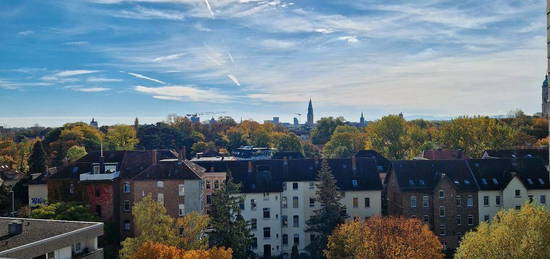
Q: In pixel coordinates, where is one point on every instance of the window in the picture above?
(285, 239)
(254, 223)
(518, 193)
(470, 220)
(497, 200)
(413, 201)
(426, 219)
(426, 201)
(543, 199)
(98, 210)
(241, 204)
(296, 239)
(495, 181)
(160, 197)
(208, 199)
(126, 188)
(216, 184)
(127, 206)
(459, 201)
(458, 220)
(96, 169)
(181, 189)
(541, 181)
(311, 202)
(530, 181)
(311, 185)
(354, 183)
(441, 194)
(442, 211)
(160, 184)
(77, 247)
(252, 204)
(284, 186)
(284, 220)
(97, 192)
(295, 221)
(355, 202)
(470, 201)
(181, 231)
(530, 198)
(518, 207)
(295, 202)
(267, 213)
(266, 196)
(485, 200)
(294, 186)
(71, 188)
(267, 232)
(181, 209)
(442, 230)
(367, 202)
(208, 184)
(254, 243)
(284, 202)
(126, 225)
(486, 217)
(484, 181)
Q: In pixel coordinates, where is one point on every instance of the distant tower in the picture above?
(136, 124)
(93, 123)
(545, 97)
(362, 120)
(310, 114)
(296, 122)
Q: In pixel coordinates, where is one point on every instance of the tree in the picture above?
(285, 142)
(76, 152)
(345, 142)
(387, 237)
(512, 233)
(63, 211)
(229, 228)
(37, 160)
(330, 214)
(202, 146)
(324, 128)
(295, 254)
(310, 150)
(155, 250)
(192, 229)
(385, 136)
(121, 137)
(152, 224)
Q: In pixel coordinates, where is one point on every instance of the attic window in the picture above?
(421, 182)
(344, 166)
(530, 181)
(466, 181)
(541, 181)
(495, 181)
(75, 170)
(263, 168)
(411, 182)
(484, 181)
(457, 182)
(354, 183)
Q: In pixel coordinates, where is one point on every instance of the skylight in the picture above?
(484, 181)
(421, 182)
(411, 182)
(466, 181)
(541, 181)
(354, 183)
(529, 181)
(495, 181)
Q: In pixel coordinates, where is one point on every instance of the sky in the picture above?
(64, 61)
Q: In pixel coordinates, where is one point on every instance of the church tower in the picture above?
(362, 120)
(310, 114)
(545, 97)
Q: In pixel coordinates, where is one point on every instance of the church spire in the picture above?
(310, 113)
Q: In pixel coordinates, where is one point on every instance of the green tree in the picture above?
(63, 211)
(310, 150)
(122, 137)
(229, 228)
(202, 146)
(76, 152)
(324, 128)
(37, 160)
(330, 214)
(345, 142)
(511, 234)
(152, 224)
(287, 142)
(385, 136)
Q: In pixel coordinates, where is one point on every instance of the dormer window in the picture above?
(466, 181)
(411, 182)
(421, 182)
(110, 168)
(95, 169)
(441, 194)
(495, 181)
(484, 181)
(529, 181)
(354, 183)
(541, 181)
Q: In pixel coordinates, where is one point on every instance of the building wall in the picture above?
(64, 190)
(38, 194)
(491, 209)
(209, 180)
(509, 197)
(170, 191)
(193, 196)
(265, 200)
(99, 196)
(304, 192)
(361, 211)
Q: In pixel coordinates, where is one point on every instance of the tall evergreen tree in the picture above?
(230, 229)
(37, 159)
(330, 214)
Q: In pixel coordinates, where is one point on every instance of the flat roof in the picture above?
(38, 230)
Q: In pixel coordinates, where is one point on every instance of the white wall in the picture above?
(38, 194)
(271, 201)
(492, 209)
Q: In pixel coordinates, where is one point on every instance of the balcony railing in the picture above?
(99, 177)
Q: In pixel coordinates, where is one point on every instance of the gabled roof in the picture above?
(168, 170)
(541, 153)
(382, 164)
(495, 174)
(288, 155)
(424, 175)
(443, 154)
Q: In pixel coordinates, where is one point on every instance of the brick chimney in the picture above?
(250, 166)
(154, 157)
(353, 163)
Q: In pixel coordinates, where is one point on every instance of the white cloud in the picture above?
(234, 79)
(349, 39)
(76, 43)
(74, 72)
(278, 44)
(171, 98)
(92, 89)
(146, 78)
(25, 33)
(183, 92)
(102, 79)
(169, 57)
(143, 13)
(60, 80)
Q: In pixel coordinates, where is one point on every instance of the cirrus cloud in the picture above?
(181, 93)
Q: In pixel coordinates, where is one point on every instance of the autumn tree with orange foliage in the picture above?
(387, 237)
(159, 251)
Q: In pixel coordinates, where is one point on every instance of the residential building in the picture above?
(541, 153)
(40, 238)
(509, 183)
(441, 193)
(38, 190)
(443, 154)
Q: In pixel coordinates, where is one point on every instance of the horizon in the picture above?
(115, 60)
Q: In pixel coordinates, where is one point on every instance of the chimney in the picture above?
(15, 227)
(101, 162)
(155, 159)
(180, 157)
(250, 166)
(285, 161)
(184, 153)
(353, 163)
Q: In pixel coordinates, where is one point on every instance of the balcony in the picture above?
(99, 177)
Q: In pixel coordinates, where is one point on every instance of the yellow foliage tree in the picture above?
(191, 231)
(160, 251)
(512, 234)
(387, 237)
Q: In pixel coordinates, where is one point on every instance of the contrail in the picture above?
(209, 8)
(146, 78)
(234, 79)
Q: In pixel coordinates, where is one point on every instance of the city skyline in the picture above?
(116, 60)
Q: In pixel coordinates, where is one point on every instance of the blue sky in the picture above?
(64, 61)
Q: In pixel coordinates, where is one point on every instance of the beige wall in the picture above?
(492, 208)
(38, 194)
(510, 200)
